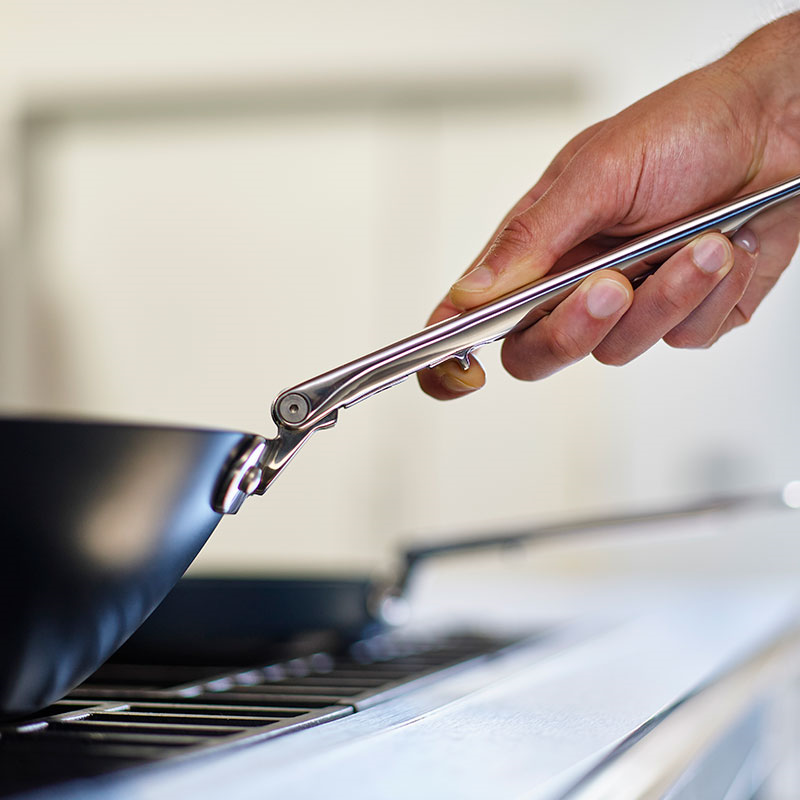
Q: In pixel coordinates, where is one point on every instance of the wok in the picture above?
(102, 519)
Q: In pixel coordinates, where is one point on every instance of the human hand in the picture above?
(726, 130)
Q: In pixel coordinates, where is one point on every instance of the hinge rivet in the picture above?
(293, 408)
(250, 480)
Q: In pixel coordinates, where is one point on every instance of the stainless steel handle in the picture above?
(314, 405)
(305, 406)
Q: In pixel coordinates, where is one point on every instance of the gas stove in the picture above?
(127, 716)
(678, 687)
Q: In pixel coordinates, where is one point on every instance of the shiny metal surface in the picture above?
(314, 404)
(283, 448)
(293, 407)
(242, 477)
(458, 336)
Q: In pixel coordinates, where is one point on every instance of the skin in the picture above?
(723, 131)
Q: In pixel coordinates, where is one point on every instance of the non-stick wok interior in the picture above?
(99, 522)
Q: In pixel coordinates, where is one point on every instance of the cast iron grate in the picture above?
(130, 714)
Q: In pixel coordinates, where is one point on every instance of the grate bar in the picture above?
(91, 723)
(66, 739)
(330, 680)
(126, 715)
(272, 698)
(264, 712)
(170, 718)
(299, 690)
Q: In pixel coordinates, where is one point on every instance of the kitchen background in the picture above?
(204, 202)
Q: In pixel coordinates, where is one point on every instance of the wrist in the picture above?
(767, 64)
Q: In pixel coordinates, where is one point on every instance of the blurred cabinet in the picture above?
(185, 262)
(203, 205)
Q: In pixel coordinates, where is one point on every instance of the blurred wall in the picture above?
(202, 203)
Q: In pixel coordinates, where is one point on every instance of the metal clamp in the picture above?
(242, 476)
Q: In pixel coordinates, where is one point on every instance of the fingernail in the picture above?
(605, 298)
(746, 239)
(453, 384)
(710, 254)
(476, 280)
(451, 376)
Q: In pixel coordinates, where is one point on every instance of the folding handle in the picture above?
(307, 405)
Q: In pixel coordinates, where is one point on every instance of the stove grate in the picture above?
(131, 714)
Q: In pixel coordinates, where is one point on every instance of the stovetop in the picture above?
(128, 715)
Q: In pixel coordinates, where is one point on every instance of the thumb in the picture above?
(575, 207)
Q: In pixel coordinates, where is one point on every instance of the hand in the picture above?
(726, 130)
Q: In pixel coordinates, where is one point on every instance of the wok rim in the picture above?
(68, 420)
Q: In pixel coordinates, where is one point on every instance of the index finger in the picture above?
(446, 308)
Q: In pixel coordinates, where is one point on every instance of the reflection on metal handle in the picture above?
(303, 407)
(314, 405)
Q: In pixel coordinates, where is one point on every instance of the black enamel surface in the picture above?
(99, 522)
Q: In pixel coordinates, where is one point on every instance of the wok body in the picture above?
(99, 523)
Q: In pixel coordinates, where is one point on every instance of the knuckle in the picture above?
(517, 235)
(516, 366)
(685, 339)
(678, 340)
(669, 301)
(741, 315)
(610, 356)
(739, 278)
(564, 346)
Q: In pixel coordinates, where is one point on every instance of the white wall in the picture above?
(334, 166)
